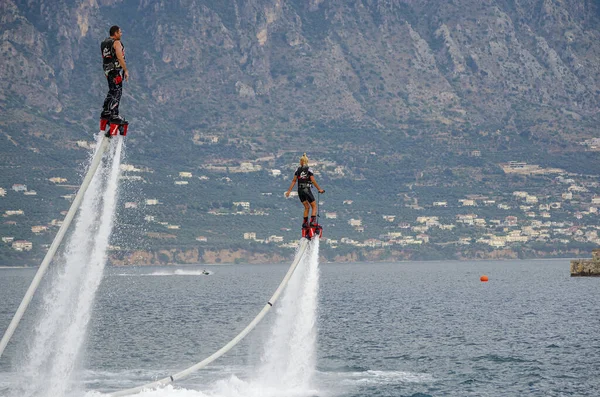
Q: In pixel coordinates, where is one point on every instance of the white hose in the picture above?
(232, 343)
(55, 244)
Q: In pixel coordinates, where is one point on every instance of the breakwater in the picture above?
(587, 267)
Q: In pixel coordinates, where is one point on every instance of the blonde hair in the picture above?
(304, 159)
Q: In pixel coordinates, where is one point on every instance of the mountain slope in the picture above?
(266, 65)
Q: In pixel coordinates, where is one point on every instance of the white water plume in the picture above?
(289, 358)
(59, 334)
(56, 298)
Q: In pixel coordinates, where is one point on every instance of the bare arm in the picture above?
(314, 182)
(120, 57)
(287, 194)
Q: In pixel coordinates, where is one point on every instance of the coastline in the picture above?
(227, 258)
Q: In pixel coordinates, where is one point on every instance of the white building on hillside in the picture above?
(22, 245)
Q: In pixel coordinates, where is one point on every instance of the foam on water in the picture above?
(162, 273)
(387, 377)
(180, 272)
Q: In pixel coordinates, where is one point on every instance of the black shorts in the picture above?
(306, 195)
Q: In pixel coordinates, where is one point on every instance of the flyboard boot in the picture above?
(118, 124)
(306, 230)
(104, 119)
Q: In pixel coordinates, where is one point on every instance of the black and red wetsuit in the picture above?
(303, 175)
(114, 76)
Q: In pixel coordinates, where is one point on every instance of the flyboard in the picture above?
(113, 130)
(304, 243)
(312, 230)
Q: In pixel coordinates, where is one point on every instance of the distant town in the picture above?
(564, 215)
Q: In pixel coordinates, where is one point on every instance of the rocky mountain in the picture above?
(278, 66)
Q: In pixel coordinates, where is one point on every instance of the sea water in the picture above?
(382, 329)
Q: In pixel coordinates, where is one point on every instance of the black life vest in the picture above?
(303, 174)
(110, 62)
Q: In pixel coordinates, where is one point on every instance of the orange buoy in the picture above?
(484, 278)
